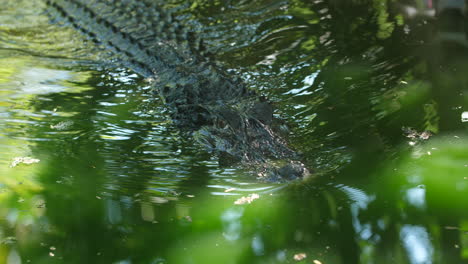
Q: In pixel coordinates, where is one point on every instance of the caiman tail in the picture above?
(225, 116)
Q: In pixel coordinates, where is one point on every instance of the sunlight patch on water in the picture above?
(357, 196)
(417, 197)
(232, 226)
(24, 80)
(122, 75)
(258, 246)
(41, 81)
(305, 90)
(417, 243)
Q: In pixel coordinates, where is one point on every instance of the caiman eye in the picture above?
(220, 123)
(166, 89)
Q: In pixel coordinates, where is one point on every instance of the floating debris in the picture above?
(159, 200)
(62, 125)
(247, 199)
(175, 193)
(464, 117)
(316, 261)
(300, 256)
(9, 240)
(230, 190)
(425, 135)
(25, 160)
(413, 134)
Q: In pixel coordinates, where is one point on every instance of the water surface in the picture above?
(372, 102)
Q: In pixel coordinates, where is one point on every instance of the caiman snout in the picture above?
(293, 170)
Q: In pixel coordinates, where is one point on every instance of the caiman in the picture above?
(219, 110)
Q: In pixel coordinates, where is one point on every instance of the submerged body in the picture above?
(224, 116)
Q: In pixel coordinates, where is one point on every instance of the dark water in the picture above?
(113, 181)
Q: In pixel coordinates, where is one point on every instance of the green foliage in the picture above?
(386, 26)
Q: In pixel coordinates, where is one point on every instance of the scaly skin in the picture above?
(225, 116)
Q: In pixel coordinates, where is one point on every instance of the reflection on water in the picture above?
(117, 182)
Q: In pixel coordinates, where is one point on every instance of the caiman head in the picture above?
(243, 132)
